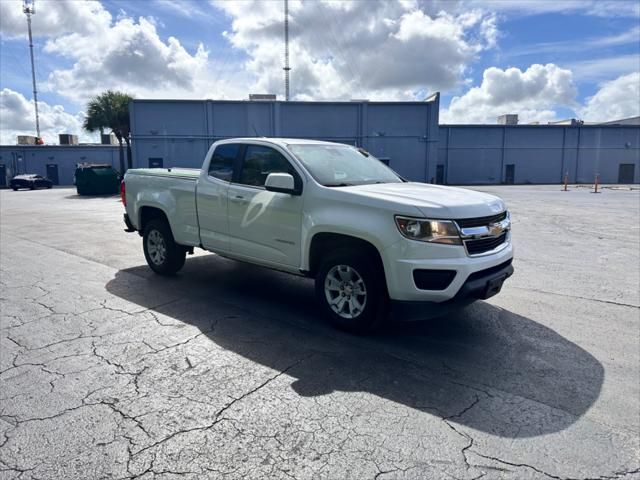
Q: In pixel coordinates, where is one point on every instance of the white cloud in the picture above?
(381, 50)
(17, 117)
(616, 99)
(602, 69)
(370, 49)
(628, 37)
(53, 17)
(117, 53)
(128, 56)
(598, 8)
(533, 94)
(339, 50)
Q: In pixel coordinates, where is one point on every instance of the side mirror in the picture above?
(281, 183)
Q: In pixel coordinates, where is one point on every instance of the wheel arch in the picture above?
(324, 242)
(147, 213)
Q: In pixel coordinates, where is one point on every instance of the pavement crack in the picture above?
(610, 302)
(464, 435)
(523, 465)
(44, 305)
(615, 475)
(218, 415)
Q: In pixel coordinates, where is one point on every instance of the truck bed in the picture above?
(192, 173)
(172, 190)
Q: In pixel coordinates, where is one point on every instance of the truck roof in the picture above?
(280, 141)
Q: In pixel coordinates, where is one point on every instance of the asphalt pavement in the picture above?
(229, 370)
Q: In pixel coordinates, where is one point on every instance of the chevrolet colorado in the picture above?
(374, 242)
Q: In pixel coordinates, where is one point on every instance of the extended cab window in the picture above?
(259, 162)
(221, 165)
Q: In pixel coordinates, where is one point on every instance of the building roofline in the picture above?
(80, 145)
(494, 125)
(292, 102)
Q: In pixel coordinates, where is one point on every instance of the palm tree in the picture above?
(111, 110)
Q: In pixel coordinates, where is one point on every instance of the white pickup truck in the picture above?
(374, 242)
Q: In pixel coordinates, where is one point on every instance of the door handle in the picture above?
(238, 199)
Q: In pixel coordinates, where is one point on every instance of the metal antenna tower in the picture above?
(29, 8)
(286, 68)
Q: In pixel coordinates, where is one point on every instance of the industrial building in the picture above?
(406, 135)
(529, 154)
(58, 162)
(179, 133)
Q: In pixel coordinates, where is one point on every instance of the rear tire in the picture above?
(352, 290)
(15, 189)
(164, 256)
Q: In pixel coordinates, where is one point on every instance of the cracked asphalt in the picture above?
(228, 371)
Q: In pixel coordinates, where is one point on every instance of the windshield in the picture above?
(342, 165)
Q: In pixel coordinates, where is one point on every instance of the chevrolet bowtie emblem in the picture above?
(496, 229)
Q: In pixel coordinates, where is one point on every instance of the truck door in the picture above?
(211, 198)
(263, 225)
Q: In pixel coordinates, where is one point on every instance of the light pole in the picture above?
(29, 8)
(286, 68)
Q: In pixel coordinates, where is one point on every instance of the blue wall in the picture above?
(34, 159)
(180, 132)
(479, 154)
(406, 133)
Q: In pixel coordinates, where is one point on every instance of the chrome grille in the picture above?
(480, 221)
(482, 245)
(484, 234)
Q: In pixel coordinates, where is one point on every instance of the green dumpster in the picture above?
(96, 179)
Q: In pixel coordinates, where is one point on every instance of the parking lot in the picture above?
(229, 371)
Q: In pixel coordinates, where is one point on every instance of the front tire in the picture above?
(351, 288)
(164, 256)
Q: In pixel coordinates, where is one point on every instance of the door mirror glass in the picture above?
(282, 183)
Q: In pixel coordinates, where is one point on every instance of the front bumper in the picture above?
(406, 256)
(478, 286)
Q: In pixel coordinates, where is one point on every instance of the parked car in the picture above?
(373, 241)
(96, 179)
(30, 181)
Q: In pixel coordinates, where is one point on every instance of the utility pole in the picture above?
(286, 68)
(29, 8)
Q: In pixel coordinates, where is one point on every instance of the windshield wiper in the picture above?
(339, 184)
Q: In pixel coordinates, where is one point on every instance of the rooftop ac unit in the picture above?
(26, 140)
(68, 139)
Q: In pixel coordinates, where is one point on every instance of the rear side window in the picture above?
(259, 162)
(221, 165)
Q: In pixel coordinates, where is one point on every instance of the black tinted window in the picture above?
(221, 165)
(259, 162)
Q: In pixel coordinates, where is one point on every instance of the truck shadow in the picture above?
(76, 196)
(483, 367)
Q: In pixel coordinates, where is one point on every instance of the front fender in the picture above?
(374, 226)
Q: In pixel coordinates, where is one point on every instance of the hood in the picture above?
(434, 201)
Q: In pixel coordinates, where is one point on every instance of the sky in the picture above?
(545, 60)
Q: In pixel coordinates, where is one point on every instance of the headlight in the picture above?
(425, 230)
